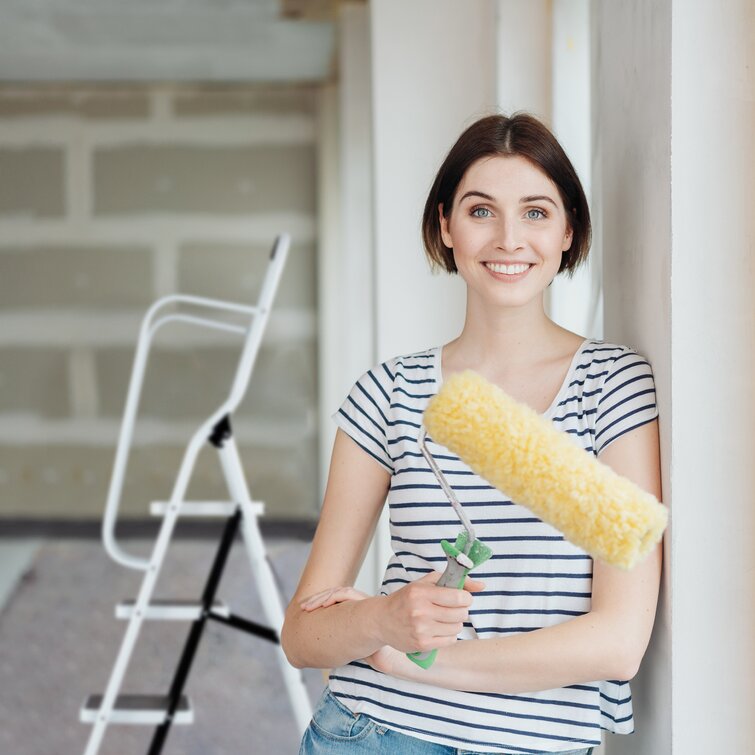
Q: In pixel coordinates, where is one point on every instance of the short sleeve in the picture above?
(627, 398)
(364, 415)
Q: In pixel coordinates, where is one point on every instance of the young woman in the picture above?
(536, 653)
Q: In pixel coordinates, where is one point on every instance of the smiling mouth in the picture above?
(511, 271)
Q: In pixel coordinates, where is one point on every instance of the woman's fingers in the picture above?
(470, 583)
(473, 585)
(343, 594)
(330, 597)
(317, 598)
(450, 597)
(451, 615)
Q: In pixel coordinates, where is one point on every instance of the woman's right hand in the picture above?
(422, 616)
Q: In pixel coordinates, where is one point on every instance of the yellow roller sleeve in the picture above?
(535, 465)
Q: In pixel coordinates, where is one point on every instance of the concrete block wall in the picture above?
(109, 198)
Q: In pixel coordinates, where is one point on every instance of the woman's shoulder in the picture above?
(624, 394)
(609, 352)
(417, 360)
(397, 371)
(414, 362)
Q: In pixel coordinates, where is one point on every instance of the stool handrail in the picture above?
(253, 338)
(201, 321)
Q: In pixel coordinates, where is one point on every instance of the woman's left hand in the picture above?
(381, 660)
(330, 597)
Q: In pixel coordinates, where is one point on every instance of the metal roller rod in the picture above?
(447, 489)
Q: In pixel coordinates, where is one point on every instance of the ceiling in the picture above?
(157, 40)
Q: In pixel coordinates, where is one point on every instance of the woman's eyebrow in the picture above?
(537, 198)
(477, 194)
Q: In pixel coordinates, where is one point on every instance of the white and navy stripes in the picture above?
(534, 579)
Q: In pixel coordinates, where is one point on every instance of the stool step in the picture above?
(222, 509)
(137, 709)
(170, 610)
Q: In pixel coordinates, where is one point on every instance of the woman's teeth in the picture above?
(506, 269)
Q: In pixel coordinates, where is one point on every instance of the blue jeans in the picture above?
(334, 730)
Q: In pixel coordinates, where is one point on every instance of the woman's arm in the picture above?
(420, 613)
(354, 498)
(606, 643)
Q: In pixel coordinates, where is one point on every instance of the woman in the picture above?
(537, 657)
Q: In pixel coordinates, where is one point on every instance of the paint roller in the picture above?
(525, 457)
(463, 555)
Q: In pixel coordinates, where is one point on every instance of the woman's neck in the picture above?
(505, 341)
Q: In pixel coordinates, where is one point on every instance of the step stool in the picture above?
(240, 512)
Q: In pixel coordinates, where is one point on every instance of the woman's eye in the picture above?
(481, 212)
(537, 214)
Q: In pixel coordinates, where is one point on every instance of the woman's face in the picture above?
(506, 214)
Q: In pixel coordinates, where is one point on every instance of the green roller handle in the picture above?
(454, 576)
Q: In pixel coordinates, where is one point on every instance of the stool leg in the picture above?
(195, 633)
(264, 579)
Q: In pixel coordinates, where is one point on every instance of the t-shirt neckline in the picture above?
(438, 376)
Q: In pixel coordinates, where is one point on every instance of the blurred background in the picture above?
(151, 148)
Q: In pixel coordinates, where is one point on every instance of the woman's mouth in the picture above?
(508, 273)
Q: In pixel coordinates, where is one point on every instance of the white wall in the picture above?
(674, 124)
(543, 67)
(632, 118)
(524, 69)
(713, 370)
(575, 303)
(433, 73)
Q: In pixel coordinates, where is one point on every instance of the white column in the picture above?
(329, 315)
(632, 118)
(712, 375)
(351, 286)
(357, 297)
(679, 236)
(345, 255)
(575, 303)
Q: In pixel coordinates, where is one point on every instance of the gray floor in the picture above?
(59, 637)
(15, 558)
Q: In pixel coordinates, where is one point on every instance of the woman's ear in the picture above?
(568, 236)
(444, 234)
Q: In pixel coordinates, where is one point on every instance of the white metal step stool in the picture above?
(242, 512)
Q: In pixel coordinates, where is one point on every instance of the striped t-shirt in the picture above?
(535, 577)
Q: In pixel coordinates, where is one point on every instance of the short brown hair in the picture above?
(499, 135)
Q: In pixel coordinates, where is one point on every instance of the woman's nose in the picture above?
(509, 235)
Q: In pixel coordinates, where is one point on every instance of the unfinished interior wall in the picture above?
(109, 198)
